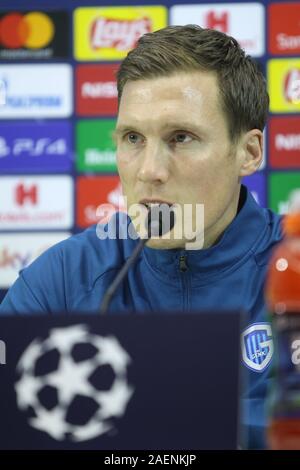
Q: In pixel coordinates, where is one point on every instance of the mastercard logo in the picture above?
(32, 30)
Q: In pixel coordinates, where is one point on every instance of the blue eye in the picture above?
(132, 138)
(182, 138)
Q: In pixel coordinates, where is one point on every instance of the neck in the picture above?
(213, 233)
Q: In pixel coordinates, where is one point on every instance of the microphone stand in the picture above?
(121, 275)
(154, 227)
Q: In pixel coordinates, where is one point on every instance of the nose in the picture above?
(154, 163)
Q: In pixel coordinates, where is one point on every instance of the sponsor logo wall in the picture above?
(34, 35)
(29, 147)
(19, 250)
(93, 192)
(58, 107)
(96, 90)
(109, 33)
(244, 21)
(36, 202)
(36, 91)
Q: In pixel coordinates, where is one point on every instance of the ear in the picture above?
(251, 148)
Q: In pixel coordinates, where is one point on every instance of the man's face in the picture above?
(173, 146)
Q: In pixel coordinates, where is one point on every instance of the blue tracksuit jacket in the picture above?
(74, 274)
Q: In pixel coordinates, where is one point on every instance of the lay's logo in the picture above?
(109, 33)
(284, 85)
(292, 86)
(34, 35)
(119, 34)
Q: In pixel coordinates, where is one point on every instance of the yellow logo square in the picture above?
(284, 85)
(109, 33)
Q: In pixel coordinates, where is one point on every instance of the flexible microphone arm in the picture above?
(121, 275)
(155, 227)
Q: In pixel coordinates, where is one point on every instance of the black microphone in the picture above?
(160, 220)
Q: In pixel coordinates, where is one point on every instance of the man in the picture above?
(192, 108)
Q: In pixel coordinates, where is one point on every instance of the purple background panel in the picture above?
(36, 147)
(257, 185)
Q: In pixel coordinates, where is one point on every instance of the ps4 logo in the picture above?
(33, 148)
(2, 353)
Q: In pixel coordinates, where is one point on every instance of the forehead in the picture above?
(192, 94)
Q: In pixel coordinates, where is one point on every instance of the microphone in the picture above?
(160, 220)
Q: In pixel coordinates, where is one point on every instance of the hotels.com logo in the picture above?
(33, 30)
(218, 20)
(36, 202)
(244, 21)
(117, 33)
(26, 194)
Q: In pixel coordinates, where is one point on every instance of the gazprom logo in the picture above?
(257, 346)
(3, 92)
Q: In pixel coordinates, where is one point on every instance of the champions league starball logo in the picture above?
(73, 384)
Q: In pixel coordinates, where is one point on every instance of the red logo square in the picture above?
(96, 90)
(93, 192)
(284, 142)
(284, 28)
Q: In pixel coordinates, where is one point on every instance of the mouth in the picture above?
(150, 203)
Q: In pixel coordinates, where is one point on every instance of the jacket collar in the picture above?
(235, 245)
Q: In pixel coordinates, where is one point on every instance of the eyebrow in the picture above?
(179, 125)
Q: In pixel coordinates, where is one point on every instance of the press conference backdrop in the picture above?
(58, 104)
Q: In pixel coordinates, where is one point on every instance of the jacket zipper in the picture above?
(183, 268)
